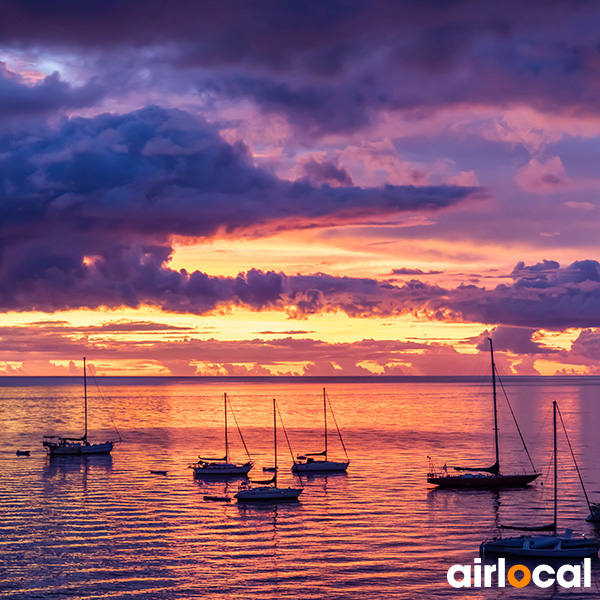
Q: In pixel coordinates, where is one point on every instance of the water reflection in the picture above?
(107, 527)
(61, 465)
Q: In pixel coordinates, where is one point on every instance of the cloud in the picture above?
(554, 298)
(25, 349)
(537, 271)
(405, 271)
(331, 66)
(544, 297)
(326, 171)
(517, 340)
(543, 177)
(88, 209)
(287, 332)
(43, 98)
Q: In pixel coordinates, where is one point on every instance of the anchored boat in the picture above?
(548, 545)
(484, 477)
(268, 491)
(312, 462)
(223, 467)
(63, 446)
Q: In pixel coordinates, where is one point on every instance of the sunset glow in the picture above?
(359, 189)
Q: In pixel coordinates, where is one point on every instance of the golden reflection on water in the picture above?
(105, 527)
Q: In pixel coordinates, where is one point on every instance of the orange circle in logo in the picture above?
(516, 582)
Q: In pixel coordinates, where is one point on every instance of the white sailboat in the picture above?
(543, 546)
(268, 490)
(222, 467)
(311, 463)
(63, 446)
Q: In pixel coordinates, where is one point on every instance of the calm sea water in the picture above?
(105, 527)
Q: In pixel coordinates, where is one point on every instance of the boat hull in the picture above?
(594, 515)
(320, 466)
(482, 482)
(77, 449)
(545, 546)
(268, 494)
(220, 470)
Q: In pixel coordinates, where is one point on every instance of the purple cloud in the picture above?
(405, 271)
(333, 66)
(46, 97)
(87, 211)
(513, 339)
(326, 172)
(552, 299)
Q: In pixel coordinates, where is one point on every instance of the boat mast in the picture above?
(495, 406)
(555, 470)
(226, 440)
(325, 418)
(275, 439)
(85, 398)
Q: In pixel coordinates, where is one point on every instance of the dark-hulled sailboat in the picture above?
(483, 477)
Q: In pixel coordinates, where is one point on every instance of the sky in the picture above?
(299, 187)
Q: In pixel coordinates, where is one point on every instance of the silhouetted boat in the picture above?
(63, 446)
(543, 546)
(310, 463)
(217, 498)
(484, 477)
(268, 490)
(594, 515)
(222, 467)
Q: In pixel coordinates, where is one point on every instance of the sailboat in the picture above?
(309, 464)
(268, 490)
(484, 477)
(64, 446)
(222, 466)
(544, 546)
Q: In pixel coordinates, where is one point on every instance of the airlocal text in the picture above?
(480, 575)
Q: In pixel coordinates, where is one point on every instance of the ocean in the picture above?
(106, 527)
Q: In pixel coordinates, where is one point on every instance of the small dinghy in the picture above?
(217, 498)
(23, 452)
(158, 472)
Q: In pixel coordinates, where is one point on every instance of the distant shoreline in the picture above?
(16, 381)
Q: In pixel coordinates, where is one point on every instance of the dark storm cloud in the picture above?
(320, 172)
(330, 65)
(157, 171)
(569, 298)
(46, 96)
(555, 298)
(537, 271)
(87, 210)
